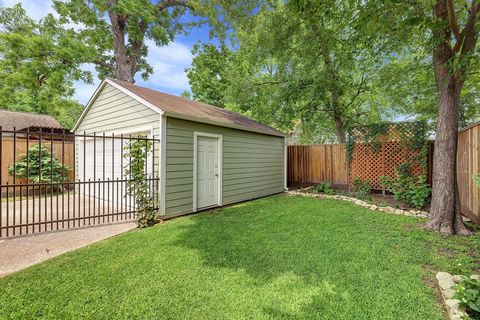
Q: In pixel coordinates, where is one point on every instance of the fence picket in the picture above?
(28, 207)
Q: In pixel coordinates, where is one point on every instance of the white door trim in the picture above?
(219, 138)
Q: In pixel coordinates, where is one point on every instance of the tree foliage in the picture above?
(208, 76)
(298, 67)
(38, 64)
(116, 31)
(317, 68)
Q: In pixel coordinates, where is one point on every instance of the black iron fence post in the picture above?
(33, 185)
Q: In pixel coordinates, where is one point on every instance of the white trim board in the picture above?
(118, 87)
(197, 134)
(163, 163)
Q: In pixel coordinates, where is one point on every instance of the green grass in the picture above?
(278, 257)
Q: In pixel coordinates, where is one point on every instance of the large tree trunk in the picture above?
(123, 67)
(445, 215)
(124, 71)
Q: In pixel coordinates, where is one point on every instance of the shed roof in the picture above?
(22, 120)
(179, 107)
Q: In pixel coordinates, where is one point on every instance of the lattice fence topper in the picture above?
(378, 150)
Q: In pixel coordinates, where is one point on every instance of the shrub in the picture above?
(325, 188)
(42, 166)
(361, 187)
(468, 292)
(412, 190)
(137, 186)
(477, 180)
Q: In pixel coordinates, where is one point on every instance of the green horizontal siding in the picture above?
(114, 111)
(253, 164)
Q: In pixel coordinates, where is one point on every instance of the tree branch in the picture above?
(468, 29)
(268, 82)
(104, 64)
(165, 4)
(452, 19)
(360, 90)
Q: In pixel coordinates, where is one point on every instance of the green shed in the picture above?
(207, 156)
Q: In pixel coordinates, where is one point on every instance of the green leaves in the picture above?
(299, 67)
(414, 191)
(39, 63)
(208, 76)
(39, 166)
(137, 184)
(115, 32)
(325, 188)
(468, 292)
(362, 187)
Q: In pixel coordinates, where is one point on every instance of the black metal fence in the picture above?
(53, 180)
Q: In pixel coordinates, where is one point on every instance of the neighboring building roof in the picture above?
(22, 120)
(179, 107)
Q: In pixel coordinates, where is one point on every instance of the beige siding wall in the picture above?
(253, 164)
(115, 112)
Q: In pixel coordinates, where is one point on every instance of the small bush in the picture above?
(412, 190)
(361, 187)
(42, 166)
(325, 188)
(468, 292)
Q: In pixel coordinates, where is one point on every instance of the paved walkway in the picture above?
(59, 212)
(22, 252)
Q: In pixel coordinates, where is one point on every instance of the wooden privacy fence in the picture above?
(313, 164)
(468, 166)
(317, 163)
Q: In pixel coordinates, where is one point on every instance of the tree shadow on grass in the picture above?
(304, 259)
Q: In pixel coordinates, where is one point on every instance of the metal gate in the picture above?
(54, 180)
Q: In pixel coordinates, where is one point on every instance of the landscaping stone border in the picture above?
(387, 209)
(447, 283)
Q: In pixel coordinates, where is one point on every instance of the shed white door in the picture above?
(207, 172)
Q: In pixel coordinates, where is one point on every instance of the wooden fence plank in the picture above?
(468, 166)
(317, 163)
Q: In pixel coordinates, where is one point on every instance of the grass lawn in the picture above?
(277, 257)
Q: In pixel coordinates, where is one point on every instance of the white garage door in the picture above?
(102, 163)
